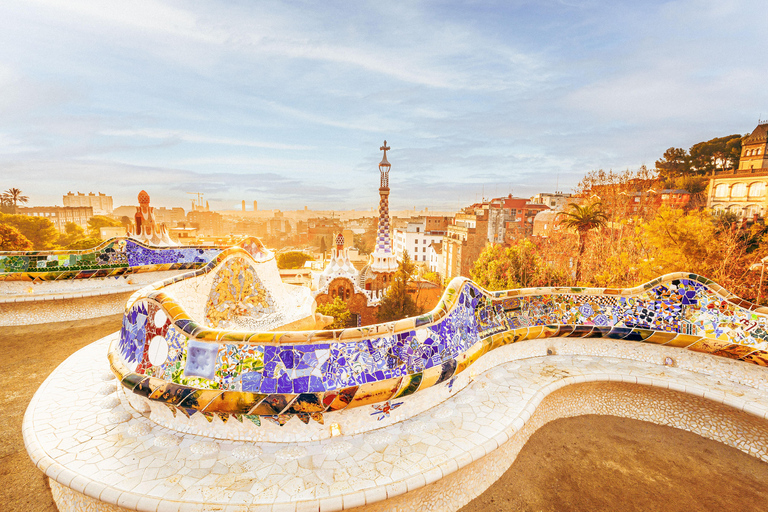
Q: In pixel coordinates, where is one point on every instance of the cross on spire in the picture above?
(384, 164)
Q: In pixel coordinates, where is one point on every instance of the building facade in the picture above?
(418, 235)
(464, 240)
(742, 191)
(101, 203)
(61, 215)
(556, 201)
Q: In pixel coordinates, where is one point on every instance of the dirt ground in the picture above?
(29, 355)
(589, 463)
(604, 463)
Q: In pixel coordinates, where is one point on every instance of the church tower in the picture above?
(383, 260)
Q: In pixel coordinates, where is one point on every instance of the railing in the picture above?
(741, 172)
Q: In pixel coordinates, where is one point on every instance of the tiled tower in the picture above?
(383, 259)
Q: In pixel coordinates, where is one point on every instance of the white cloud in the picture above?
(177, 135)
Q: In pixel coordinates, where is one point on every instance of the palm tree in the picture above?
(13, 196)
(583, 219)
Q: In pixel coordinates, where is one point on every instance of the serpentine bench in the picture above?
(210, 402)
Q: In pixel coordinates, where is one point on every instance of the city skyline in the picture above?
(288, 104)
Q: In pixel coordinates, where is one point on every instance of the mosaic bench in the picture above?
(277, 376)
(195, 411)
(113, 258)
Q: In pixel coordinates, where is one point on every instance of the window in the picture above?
(757, 189)
(721, 190)
(423, 241)
(752, 210)
(417, 229)
(738, 190)
(416, 241)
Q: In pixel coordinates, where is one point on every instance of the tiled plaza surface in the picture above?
(100, 452)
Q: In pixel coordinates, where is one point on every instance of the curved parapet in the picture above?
(112, 258)
(167, 355)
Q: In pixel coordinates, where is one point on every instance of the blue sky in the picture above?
(287, 103)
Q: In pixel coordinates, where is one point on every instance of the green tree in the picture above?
(338, 310)
(97, 222)
(432, 277)
(397, 304)
(85, 243)
(12, 240)
(582, 219)
(517, 266)
(72, 233)
(719, 153)
(14, 196)
(696, 186)
(75, 238)
(292, 259)
(361, 243)
(38, 230)
(674, 163)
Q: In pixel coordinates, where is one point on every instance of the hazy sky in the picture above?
(288, 102)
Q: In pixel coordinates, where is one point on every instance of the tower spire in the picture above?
(383, 258)
(384, 167)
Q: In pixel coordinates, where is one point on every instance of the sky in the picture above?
(287, 103)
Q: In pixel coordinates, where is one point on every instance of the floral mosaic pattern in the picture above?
(114, 257)
(236, 291)
(264, 375)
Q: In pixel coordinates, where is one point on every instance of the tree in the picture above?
(38, 230)
(72, 233)
(362, 243)
(432, 277)
(338, 310)
(12, 240)
(397, 304)
(15, 197)
(583, 219)
(292, 259)
(696, 186)
(718, 153)
(97, 222)
(517, 266)
(702, 159)
(674, 163)
(85, 243)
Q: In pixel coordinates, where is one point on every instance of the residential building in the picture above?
(742, 191)
(61, 215)
(464, 240)
(435, 253)
(556, 200)
(418, 235)
(208, 223)
(511, 218)
(101, 203)
(170, 216)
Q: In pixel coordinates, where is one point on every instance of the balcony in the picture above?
(763, 171)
